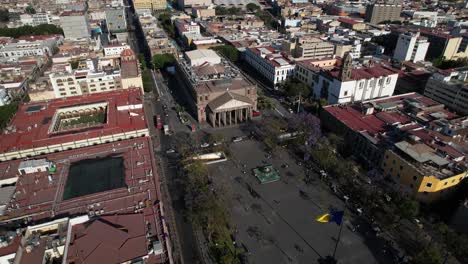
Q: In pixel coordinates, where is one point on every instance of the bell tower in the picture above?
(346, 68)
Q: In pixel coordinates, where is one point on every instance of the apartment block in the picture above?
(449, 88)
(381, 11)
(411, 47)
(150, 4)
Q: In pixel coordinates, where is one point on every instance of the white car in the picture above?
(217, 143)
(204, 145)
(237, 139)
(169, 151)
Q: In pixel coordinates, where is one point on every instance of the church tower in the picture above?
(346, 68)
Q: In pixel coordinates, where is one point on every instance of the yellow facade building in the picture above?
(150, 4)
(421, 172)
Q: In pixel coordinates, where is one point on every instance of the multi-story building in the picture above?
(191, 3)
(274, 65)
(314, 48)
(218, 93)
(449, 88)
(75, 24)
(116, 19)
(445, 45)
(115, 49)
(43, 45)
(345, 84)
(88, 80)
(416, 143)
(411, 47)
(381, 11)
(150, 4)
(35, 19)
(185, 26)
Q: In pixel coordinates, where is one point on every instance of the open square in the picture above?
(93, 176)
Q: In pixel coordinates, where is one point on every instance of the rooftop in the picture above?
(40, 194)
(30, 127)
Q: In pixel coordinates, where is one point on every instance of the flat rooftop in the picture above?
(31, 127)
(39, 196)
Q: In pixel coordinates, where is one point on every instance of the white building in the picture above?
(201, 56)
(347, 84)
(35, 19)
(115, 49)
(272, 64)
(33, 46)
(84, 82)
(411, 47)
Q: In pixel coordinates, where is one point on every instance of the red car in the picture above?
(256, 113)
(158, 122)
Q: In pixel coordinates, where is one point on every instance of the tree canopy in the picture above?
(444, 64)
(44, 29)
(4, 15)
(252, 7)
(221, 11)
(30, 10)
(228, 51)
(294, 88)
(161, 61)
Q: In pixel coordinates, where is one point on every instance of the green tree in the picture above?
(294, 88)
(161, 61)
(252, 7)
(409, 208)
(43, 29)
(444, 64)
(6, 112)
(30, 10)
(141, 59)
(429, 255)
(4, 15)
(228, 51)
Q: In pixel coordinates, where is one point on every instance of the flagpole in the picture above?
(339, 235)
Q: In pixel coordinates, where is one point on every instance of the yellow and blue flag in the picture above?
(333, 216)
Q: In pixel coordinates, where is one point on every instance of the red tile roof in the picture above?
(32, 129)
(347, 21)
(110, 239)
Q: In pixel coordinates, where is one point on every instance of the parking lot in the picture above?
(275, 222)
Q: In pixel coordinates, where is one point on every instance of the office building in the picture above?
(152, 5)
(381, 11)
(75, 24)
(411, 47)
(193, 3)
(116, 19)
(35, 19)
(449, 87)
(39, 46)
(272, 64)
(444, 45)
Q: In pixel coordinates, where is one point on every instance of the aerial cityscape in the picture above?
(233, 131)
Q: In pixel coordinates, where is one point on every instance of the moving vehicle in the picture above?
(166, 130)
(158, 122)
(237, 139)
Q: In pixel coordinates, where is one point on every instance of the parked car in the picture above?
(237, 139)
(169, 151)
(205, 145)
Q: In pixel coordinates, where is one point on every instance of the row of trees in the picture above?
(208, 214)
(43, 29)
(442, 63)
(166, 22)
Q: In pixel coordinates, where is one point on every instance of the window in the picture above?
(393, 161)
(415, 178)
(206, 97)
(401, 167)
(429, 184)
(445, 183)
(412, 186)
(201, 98)
(345, 93)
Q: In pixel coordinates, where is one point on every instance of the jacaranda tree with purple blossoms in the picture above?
(308, 127)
